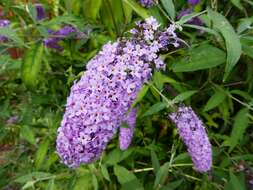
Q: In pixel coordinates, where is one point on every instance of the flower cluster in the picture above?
(3, 23)
(98, 103)
(194, 135)
(147, 3)
(57, 36)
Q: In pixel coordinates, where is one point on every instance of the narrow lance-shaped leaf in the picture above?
(169, 7)
(240, 125)
(232, 40)
(197, 59)
(215, 100)
(31, 65)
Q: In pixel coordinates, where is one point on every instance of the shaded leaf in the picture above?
(215, 100)
(155, 108)
(183, 96)
(240, 124)
(197, 59)
(169, 7)
(232, 40)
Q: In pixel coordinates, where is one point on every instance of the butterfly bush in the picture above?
(98, 102)
(193, 133)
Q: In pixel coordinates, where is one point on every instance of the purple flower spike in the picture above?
(195, 20)
(126, 134)
(40, 11)
(193, 133)
(193, 2)
(147, 3)
(57, 36)
(4, 23)
(99, 101)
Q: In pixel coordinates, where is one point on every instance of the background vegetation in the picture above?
(214, 74)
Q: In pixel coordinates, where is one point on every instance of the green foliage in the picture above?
(211, 71)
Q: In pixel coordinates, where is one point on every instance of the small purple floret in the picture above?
(193, 133)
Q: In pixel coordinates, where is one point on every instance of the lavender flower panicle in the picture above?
(126, 134)
(194, 135)
(41, 14)
(147, 3)
(57, 36)
(4, 23)
(99, 101)
(193, 2)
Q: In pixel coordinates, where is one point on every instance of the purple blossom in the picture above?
(57, 36)
(195, 20)
(147, 3)
(4, 23)
(193, 2)
(98, 102)
(193, 133)
(40, 11)
(126, 134)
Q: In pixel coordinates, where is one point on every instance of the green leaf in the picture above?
(27, 134)
(215, 100)
(95, 182)
(11, 34)
(237, 3)
(85, 181)
(34, 176)
(105, 173)
(41, 154)
(183, 96)
(31, 65)
(137, 8)
(155, 108)
(127, 12)
(240, 125)
(232, 40)
(50, 185)
(91, 8)
(169, 7)
(155, 161)
(235, 182)
(140, 95)
(162, 175)
(184, 19)
(197, 59)
(159, 79)
(172, 185)
(125, 177)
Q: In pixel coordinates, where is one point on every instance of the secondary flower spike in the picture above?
(193, 133)
(99, 101)
(4, 23)
(126, 134)
(147, 3)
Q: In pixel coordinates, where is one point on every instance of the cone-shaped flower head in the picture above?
(98, 103)
(193, 133)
